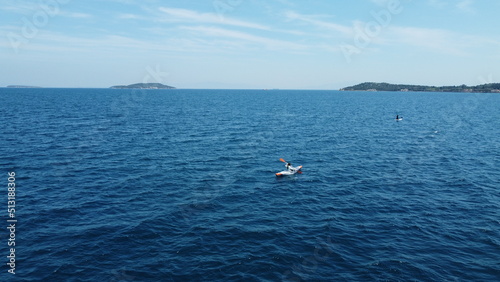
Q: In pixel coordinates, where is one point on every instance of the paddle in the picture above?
(300, 171)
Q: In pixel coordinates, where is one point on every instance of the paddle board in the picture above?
(288, 172)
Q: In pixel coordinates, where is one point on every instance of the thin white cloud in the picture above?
(380, 2)
(433, 39)
(19, 7)
(196, 39)
(30, 8)
(438, 40)
(315, 21)
(286, 2)
(184, 15)
(466, 6)
(242, 36)
(75, 15)
(129, 17)
(437, 4)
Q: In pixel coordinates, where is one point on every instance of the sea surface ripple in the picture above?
(179, 185)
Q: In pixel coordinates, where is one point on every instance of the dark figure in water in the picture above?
(397, 116)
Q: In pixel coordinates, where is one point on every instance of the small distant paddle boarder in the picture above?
(398, 118)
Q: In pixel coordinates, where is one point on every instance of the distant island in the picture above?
(374, 86)
(143, 86)
(22, 86)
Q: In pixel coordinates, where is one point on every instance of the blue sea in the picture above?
(180, 185)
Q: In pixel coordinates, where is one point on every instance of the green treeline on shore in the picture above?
(374, 86)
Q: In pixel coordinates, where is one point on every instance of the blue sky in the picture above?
(310, 44)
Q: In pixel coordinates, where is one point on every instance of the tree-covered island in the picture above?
(143, 86)
(374, 86)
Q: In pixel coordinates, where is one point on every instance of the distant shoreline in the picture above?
(143, 86)
(22, 86)
(362, 87)
(374, 86)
